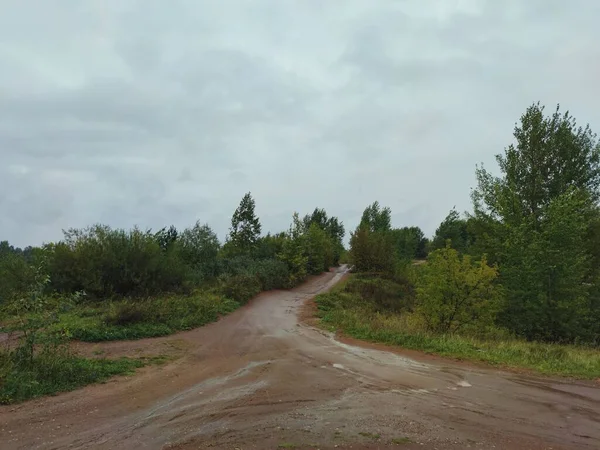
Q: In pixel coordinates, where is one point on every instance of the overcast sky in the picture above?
(156, 112)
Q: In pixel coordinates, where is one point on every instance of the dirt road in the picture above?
(260, 379)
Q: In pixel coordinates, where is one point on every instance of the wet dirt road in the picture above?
(261, 379)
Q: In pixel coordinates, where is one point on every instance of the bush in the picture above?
(106, 263)
(53, 371)
(143, 318)
(384, 295)
(240, 288)
(453, 292)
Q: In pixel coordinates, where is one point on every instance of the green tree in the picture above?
(372, 251)
(454, 293)
(552, 154)
(245, 227)
(536, 220)
(199, 248)
(455, 229)
(332, 226)
(319, 249)
(546, 273)
(376, 219)
(293, 252)
(410, 243)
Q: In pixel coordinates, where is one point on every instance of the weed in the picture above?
(401, 441)
(369, 435)
(287, 445)
(51, 372)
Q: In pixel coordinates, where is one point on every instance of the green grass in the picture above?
(369, 435)
(353, 316)
(53, 372)
(401, 441)
(126, 320)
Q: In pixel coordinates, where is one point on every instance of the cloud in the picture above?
(155, 113)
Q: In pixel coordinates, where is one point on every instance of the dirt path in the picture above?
(259, 379)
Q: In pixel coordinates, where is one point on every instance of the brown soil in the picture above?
(261, 379)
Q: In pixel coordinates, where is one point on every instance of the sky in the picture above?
(153, 112)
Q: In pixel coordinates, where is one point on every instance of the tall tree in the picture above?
(453, 228)
(536, 219)
(245, 226)
(376, 219)
(552, 154)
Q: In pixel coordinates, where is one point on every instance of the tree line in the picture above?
(527, 258)
(104, 263)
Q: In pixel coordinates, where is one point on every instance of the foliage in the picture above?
(552, 155)
(405, 331)
(334, 229)
(453, 292)
(136, 319)
(545, 274)
(455, 229)
(104, 263)
(376, 219)
(199, 249)
(537, 222)
(372, 251)
(293, 252)
(410, 243)
(245, 227)
(347, 308)
(50, 372)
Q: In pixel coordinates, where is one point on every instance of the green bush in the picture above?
(106, 263)
(384, 295)
(137, 319)
(240, 288)
(53, 371)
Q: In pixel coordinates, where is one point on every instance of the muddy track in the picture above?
(260, 379)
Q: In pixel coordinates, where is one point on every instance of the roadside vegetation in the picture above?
(515, 283)
(101, 284)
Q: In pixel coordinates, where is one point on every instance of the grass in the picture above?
(51, 372)
(353, 316)
(287, 445)
(369, 435)
(401, 441)
(126, 320)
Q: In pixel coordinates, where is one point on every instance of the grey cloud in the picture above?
(139, 111)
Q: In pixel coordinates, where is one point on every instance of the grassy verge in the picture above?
(354, 316)
(126, 319)
(51, 372)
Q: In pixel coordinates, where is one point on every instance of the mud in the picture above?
(260, 378)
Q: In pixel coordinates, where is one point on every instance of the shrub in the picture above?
(385, 295)
(240, 288)
(454, 292)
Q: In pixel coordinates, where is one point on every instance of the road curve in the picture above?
(259, 378)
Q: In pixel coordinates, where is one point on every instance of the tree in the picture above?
(166, 237)
(453, 292)
(376, 219)
(536, 220)
(332, 226)
(199, 247)
(319, 250)
(372, 251)
(245, 227)
(410, 243)
(293, 251)
(453, 228)
(551, 156)
(546, 274)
